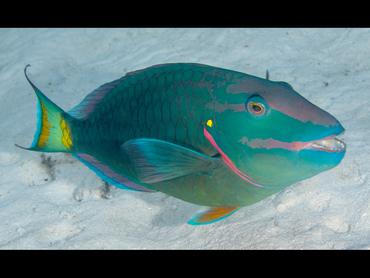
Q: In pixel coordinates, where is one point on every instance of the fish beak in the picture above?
(329, 144)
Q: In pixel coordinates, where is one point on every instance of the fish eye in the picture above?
(256, 106)
(257, 109)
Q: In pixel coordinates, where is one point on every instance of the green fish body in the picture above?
(206, 135)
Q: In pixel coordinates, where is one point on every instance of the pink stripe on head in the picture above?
(282, 97)
(273, 144)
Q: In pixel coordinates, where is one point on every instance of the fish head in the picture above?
(270, 135)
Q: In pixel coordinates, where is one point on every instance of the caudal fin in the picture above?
(53, 132)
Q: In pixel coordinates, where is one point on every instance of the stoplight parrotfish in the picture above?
(206, 135)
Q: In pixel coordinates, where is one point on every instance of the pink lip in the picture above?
(329, 144)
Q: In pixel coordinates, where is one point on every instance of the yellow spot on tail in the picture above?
(66, 139)
(45, 128)
(210, 123)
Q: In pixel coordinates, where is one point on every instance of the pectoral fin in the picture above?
(157, 160)
(213, 215)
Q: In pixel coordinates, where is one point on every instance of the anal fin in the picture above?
(108, 174)
(213, 215)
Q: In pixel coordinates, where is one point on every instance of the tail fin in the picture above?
(53, 132)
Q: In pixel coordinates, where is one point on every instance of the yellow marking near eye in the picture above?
(210, 123)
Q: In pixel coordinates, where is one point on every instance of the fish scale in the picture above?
(166, 110)
(206, 135)
(155, 112)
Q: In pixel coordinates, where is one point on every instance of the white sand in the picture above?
(52, 201)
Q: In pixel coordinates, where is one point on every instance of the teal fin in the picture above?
(213, 215)
(157, 160)
(109, 175)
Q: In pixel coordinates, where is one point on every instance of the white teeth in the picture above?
(333, 144)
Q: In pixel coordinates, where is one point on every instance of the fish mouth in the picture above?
(330, 144)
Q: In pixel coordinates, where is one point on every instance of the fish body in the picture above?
(206, 135)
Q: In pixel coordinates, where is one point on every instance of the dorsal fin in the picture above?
(92, 100)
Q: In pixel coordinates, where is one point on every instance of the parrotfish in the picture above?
(206, 135)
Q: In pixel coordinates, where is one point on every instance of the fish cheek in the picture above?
(281, 166)
(270, 166)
